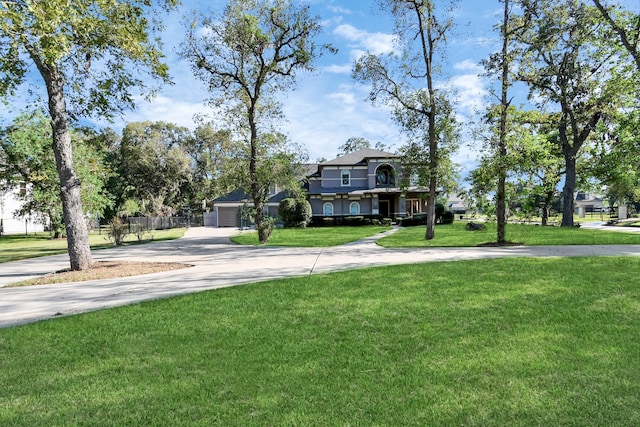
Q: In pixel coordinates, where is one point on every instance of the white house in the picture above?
(9, 223)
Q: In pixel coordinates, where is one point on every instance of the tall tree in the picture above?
(247, 56)
(89, 55)
(406, 81)
(500, 64)
(155, 166)
(570, 64)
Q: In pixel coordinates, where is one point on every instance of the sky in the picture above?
(328, 106)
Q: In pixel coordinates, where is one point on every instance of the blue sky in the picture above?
(328, 107)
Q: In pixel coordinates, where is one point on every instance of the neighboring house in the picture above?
(363, 183)
(9, 203)
(587, 203)
(457, 205)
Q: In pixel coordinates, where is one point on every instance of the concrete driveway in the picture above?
(218, 263)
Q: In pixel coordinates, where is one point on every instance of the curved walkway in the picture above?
(218, 263)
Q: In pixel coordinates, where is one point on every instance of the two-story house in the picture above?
(365, 182)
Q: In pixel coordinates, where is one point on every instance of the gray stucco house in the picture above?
(363, 183)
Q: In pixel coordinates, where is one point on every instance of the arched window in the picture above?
(385, 176)
(345, 178)
(327, 209)
(354, 208)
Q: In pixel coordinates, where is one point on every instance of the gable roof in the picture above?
(359, 157)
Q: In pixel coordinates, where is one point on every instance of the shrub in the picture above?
(353, 220)
(448, 217)
(328, 221)
(417, 219)
(472, 226)
(439, 212)
(295, 212)
(117, 231)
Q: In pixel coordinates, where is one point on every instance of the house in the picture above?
(363, 183)
(10, 202)
(366, 183)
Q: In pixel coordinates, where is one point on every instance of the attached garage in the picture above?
(228, 216)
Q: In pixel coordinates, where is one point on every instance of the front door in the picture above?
(385, 208)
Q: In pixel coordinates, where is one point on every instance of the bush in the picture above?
(417, 219)
(439, 212)
(448, 217)
(117, 231)
(353, 220)
(472, 226)
(328, 221)
(295, 212)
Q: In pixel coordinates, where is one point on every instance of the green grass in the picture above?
(312, 237)
(517, 342)
(16, 247)
(531, 235)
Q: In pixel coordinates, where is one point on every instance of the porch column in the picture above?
(375, 206)
(403, 205)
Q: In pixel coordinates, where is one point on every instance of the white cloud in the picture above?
(338, 69)
(468, 65)
(376, 43)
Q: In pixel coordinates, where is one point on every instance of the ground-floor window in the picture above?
(414, 206)
(327, 209)
(354, 208)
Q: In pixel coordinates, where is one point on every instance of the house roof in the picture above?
(359, 157)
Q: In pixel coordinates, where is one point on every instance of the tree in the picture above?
(352, 144)
(89, 55)
(209, 149)
(568, 62)
(400, 80)
(28, 159)
(155, 166)
(247, 56)
(499, 64)
(625, 26)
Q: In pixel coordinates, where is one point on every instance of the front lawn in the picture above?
(312, 237)
(517, 342)
(530, 235)
(18, 246)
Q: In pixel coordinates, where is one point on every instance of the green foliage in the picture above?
(247, 56)
(100, 49)
(154, 166)
(295, 212)
(117, 231)
(26, 157)
(448, 217)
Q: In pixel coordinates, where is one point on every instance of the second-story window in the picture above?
(346, 178)
(385, 176)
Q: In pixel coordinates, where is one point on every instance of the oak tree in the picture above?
(88, 55)
(248, 55)
(405, 81)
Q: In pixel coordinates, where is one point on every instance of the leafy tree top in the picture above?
(91, 45)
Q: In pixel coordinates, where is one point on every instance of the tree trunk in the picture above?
(501, 194)
(568, 190)
(73, 214)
